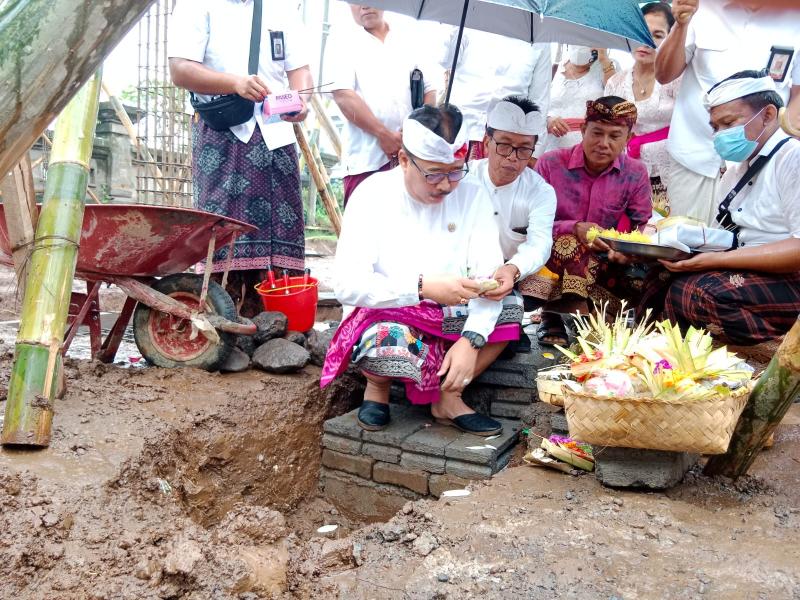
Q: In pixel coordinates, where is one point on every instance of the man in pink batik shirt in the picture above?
(597, 185)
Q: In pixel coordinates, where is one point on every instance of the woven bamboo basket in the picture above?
(550, 391)
(700, 426)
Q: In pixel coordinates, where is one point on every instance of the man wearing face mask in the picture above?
(580, 78)
(750, 294)
(710, 40)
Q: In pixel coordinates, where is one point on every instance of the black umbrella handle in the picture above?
(451, 79)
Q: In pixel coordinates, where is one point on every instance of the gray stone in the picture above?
(405, 421)
(517, 372)
(431, 440)
(345, 426)
(387, 454)
(631, 467)
(317, 343)
(341, 444)
(468, 470)
(509, 411)
(558, 422)
(504, 394)
(237, 361)
(296, 338)
(423, 462)
(269, 325)
(458, 448)
(280, 356)
(246, 343)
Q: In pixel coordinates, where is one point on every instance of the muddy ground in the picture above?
(190, 485)
(184, 484)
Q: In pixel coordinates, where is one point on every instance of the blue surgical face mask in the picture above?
(732, 144)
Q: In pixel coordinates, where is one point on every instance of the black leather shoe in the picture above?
(373, 416)
(474, 423)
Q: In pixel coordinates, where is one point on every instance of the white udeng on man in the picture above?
(411, 239)
(528, 203)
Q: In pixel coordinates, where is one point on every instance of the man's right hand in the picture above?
(557, 126)
(581, 232)
(252, 88)
(390, 142)
(449, 291)
(684, 10)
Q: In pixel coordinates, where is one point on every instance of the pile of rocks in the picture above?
(275, 349)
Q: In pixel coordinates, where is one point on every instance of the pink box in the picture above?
(280, 104)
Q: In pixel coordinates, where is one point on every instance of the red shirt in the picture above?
(623, 189)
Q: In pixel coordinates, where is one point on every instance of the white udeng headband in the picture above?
(733, 89)
(425, 144)
(507, 116)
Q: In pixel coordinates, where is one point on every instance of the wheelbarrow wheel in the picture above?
(166, 341)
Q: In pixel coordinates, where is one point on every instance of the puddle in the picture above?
(128, 354)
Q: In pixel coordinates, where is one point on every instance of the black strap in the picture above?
(724, 217)
(255, 38)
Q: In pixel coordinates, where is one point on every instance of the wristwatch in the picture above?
(476, 340)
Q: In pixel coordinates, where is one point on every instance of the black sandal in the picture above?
(373, 416)
(552, 326)
(474, 423)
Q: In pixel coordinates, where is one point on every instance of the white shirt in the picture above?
(769, 210)
(379, 72)
(491, 67)
(653, 113)
(529, 203)
(388, 239)
(568, 98)
(216, 33)
(724, 38)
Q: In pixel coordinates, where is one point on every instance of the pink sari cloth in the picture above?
(427, 317)
(637, 141)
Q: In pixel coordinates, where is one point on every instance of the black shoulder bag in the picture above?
(724, 217)
(230, 110)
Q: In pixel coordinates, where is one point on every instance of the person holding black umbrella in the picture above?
(371, 69)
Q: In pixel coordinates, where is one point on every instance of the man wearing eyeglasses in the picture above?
(524, 203)
(413, 240)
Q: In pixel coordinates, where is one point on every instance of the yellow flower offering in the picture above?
(547, 274)
(633, 236)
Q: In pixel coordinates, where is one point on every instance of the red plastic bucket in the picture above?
(298, 301)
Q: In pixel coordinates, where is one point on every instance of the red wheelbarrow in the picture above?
(181, 319)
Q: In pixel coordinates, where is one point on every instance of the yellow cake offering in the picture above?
(633, 236)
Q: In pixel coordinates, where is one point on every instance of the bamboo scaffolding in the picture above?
(319, 175)
(37, 359)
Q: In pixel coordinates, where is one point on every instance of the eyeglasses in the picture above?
(506, 150)
(437, 178)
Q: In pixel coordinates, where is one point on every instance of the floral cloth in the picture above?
(409, 343)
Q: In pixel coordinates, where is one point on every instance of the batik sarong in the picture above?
(251, 183)
(409, 343)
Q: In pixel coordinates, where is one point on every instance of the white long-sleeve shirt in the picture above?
(528, 204)
(388, 239)
(481, 77)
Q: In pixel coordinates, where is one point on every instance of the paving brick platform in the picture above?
(415, 456)
(414, 452)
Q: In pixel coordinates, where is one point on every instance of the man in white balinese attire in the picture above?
(413, 242)
(524, 203)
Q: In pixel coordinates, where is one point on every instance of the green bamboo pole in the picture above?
(37, 357)
(772, 397)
